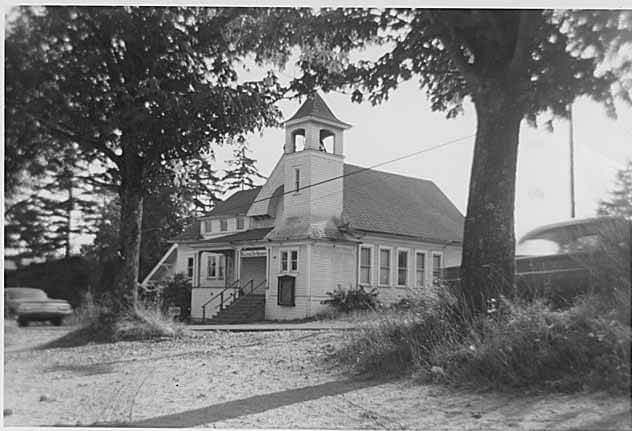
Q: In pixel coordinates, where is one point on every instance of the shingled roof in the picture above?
(380, 202)
(236, 204)
(315, 106)
(374, 202)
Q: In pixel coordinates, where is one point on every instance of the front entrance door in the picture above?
(253, 267)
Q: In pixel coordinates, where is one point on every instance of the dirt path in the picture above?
(258, 380)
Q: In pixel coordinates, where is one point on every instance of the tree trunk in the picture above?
(487, 267)
(131, 195)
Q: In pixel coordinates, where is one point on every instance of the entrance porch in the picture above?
(225, 275)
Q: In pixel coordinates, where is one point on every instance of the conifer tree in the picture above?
(242, 172)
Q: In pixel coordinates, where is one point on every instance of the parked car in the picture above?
(563, 260)
(28, 304)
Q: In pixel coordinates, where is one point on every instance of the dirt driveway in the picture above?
(257, 380)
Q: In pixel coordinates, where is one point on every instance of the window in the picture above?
(216, 265)
(385, 267)
(365, 264)
(294, 260)
(223, 225)
(420, 269)
(289, 260)
(297, 179)
(437, 264)
(285, 291)
(190, 267)
(240, 223)
(402, 267)
(208, 225)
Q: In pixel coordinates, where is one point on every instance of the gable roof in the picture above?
(315, 106)
(236, 204)
(380, 202)
(375, 202)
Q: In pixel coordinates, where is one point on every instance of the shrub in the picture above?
(177, 293)
(534, 345)
(522, 344)
(346, 300)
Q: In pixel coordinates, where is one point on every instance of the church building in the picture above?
(316, 225)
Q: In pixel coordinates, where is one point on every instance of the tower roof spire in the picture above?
(316, 108)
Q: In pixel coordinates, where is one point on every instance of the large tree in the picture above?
(511, 64)
(137, 89)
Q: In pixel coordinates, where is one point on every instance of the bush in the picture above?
(520, 345)
(346, 300)
(173, 292)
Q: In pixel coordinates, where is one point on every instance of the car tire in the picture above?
(57, 321)
(23, 322)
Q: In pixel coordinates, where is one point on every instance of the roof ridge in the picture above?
(361, 168)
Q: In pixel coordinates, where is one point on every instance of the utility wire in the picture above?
(357, 171)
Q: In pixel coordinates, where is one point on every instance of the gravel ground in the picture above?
(257, 380)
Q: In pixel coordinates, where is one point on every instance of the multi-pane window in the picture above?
(289, 261)
(402, 268)
(385, 267)
(216, 265)
(190, 267)
(437, 263)
(365, 265)
(240, 223)
(420, 269)
(297, 179)
(208, 226)
(223, 225)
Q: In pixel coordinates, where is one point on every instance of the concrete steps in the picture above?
(248, 308)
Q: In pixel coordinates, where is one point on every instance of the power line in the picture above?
(397, 159)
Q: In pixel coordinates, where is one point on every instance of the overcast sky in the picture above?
(405, 124)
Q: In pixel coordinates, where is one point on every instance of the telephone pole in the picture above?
(572, 158)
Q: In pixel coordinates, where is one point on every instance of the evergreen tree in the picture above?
(620, 202)
(41, 222)
(242, 171)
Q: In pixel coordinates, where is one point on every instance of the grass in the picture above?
(97, 325)
(522, 345)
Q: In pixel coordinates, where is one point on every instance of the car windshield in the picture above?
(26, 293)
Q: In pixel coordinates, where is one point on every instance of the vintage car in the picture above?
(28, 304)
(563, 260)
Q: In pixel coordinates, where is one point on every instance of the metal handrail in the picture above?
(221, 296)
(238, 293)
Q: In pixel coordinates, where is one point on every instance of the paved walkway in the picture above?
(325, 325)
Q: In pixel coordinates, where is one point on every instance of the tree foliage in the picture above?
(40, 220)
(242, 172)
(620, 202)
(137, 89)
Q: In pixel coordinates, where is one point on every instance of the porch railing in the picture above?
(238, 291)
(223, 297)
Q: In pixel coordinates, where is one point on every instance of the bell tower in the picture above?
(314, 161)
(314, 127)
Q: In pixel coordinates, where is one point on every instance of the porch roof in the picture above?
(245, 236)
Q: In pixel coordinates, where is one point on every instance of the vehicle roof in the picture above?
(584, 224)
